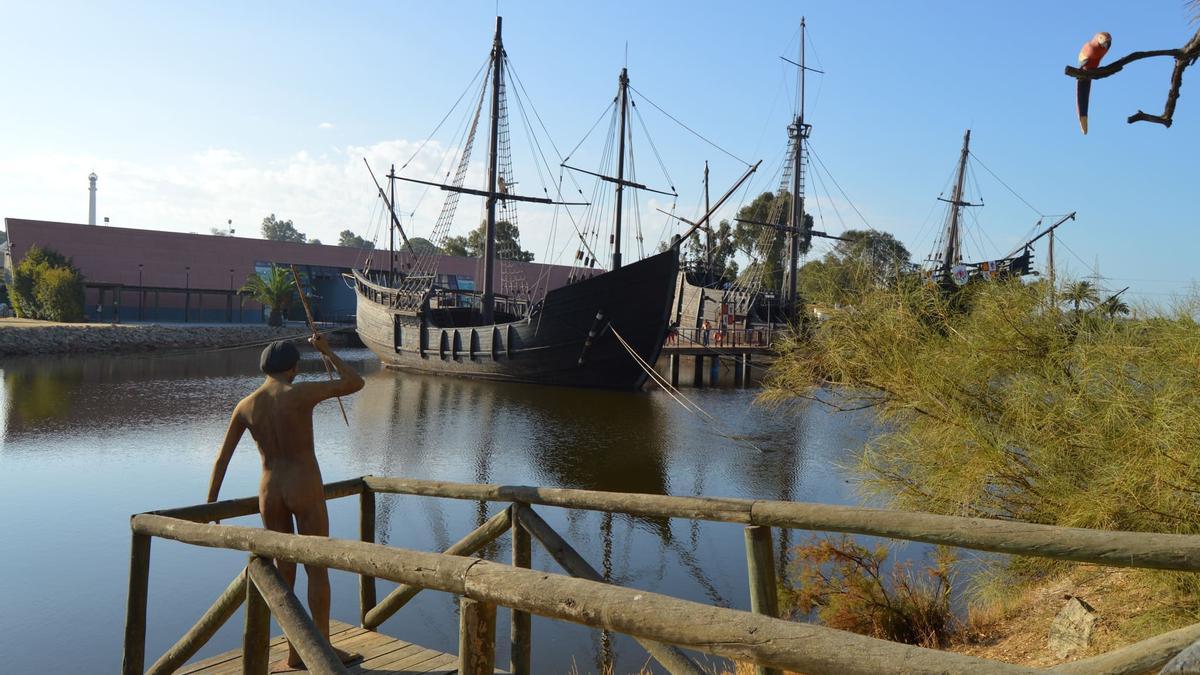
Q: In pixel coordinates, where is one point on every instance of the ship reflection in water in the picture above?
(89, 440)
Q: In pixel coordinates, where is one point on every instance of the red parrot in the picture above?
(1089, 59)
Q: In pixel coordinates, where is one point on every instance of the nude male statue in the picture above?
(279, 417)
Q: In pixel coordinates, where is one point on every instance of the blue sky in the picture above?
(195, 113)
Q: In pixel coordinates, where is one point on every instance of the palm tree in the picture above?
(276, 290)
(1079, 293)
(1114, 306)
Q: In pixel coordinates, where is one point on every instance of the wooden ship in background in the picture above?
(603, 329)
(754, 298)
(946, 266)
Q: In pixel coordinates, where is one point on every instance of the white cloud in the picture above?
(322, 193)
(325, 125)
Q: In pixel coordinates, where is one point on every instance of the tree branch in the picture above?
(1184, 58)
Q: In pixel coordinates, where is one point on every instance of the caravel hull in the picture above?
(551, 346)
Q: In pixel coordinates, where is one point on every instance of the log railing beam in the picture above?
(699, 508)
(468, 545)
(248, 506)
(724, 632)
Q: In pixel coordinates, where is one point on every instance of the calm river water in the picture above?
(87, 441)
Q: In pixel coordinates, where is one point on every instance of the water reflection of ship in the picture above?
(420, 419)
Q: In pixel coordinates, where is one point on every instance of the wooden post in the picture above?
(520, 628)
(256, 637)
(476, 638)
(714, 371)
(134, 662)
(313, 647)
(674, 361)
(746, 369)
(760, 566)
(698, 371)
(366, 531)
(737, 369)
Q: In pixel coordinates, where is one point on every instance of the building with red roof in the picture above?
(153, 275)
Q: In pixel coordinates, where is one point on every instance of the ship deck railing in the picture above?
(664, 625)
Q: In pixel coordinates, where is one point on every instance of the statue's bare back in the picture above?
(291, 494)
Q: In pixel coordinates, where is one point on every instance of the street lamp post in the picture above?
(187, 293)
(141, 294)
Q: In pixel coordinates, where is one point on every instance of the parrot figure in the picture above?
(1089, 59)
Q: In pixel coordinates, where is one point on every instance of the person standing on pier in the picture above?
(291, 494)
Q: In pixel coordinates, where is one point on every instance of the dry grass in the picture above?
(1014, 628)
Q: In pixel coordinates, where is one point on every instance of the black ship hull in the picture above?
(549, 346)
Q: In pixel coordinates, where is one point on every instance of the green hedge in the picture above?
(47, 286)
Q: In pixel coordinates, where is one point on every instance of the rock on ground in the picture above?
(1071, 630)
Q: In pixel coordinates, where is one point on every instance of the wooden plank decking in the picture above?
(381, 654)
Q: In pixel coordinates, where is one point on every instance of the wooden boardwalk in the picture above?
(381, 654)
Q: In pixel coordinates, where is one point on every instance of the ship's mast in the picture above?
(489, 250)
(392, 232)
(623, 102)
(952, 255)
(708, 235)
(798, 131)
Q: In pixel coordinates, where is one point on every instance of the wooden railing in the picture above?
(720, 338)
(662, 624)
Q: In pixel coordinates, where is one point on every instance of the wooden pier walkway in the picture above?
(381, 654)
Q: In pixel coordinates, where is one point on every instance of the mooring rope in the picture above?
(687, 404)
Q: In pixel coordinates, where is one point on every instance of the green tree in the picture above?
(59, 292)
(281, 230)
(1080, 292)
(350, 240)
(47, 286)
(275, 289)
(725, 268)
(423, 246)
(768, 207)
(1114, 306)
(869, 259)
(508, 247)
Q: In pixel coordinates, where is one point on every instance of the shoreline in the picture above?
(24, 337)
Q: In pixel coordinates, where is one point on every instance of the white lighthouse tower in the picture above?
(92, 198)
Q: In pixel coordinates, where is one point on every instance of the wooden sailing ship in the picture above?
(603, 329)
(946, 266)
(753, 298)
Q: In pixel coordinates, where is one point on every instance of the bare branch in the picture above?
(1119, 65)
(1184, 58)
